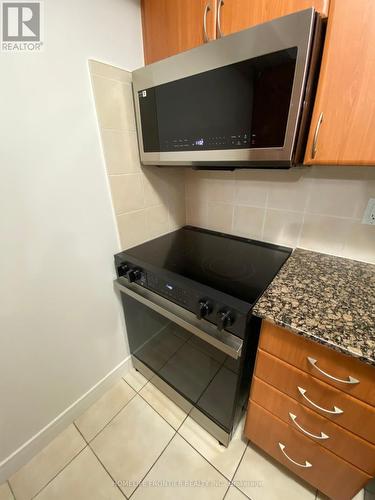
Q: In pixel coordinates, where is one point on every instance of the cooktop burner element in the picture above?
(218, 266)
(217, 276)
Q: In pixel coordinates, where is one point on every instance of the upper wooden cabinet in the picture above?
(342, 129)
(236, 15)
(172, 26)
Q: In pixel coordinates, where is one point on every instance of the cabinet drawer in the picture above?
(343, 443)
(335, 405)
(318, 466)
(296, 350)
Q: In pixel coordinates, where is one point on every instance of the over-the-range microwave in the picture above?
(243, 100)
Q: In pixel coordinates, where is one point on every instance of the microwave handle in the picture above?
(206, 10)
(219, 33)
(223, 341)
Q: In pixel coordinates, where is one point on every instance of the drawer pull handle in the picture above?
(305, 465)
(335, 411)
(294, 420)
(351, 380)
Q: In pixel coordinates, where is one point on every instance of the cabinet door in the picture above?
(345, 102)
(172, 26)
(236, 15)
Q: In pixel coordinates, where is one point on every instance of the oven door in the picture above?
(196, 360)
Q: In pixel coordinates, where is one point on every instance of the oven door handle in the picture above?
(223, 341)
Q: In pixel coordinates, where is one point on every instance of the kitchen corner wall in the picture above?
(148, 201)
(318, 208)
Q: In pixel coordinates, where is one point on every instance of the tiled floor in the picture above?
(134, 442)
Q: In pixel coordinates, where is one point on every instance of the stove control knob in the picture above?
(122, 269)
(133, 275)
(224, 319)
(204, 308)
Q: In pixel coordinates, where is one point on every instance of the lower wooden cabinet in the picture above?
(321, 468)
(308, 422)
(319, 431)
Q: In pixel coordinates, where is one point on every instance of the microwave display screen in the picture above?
(239, 106)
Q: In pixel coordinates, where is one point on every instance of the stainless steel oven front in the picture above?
(235, 101)
(206, 372)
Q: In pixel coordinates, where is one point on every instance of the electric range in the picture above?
(187, 299)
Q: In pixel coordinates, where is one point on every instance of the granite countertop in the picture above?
(328, 299)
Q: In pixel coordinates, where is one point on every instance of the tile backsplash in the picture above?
(318, 208)
(147, 201)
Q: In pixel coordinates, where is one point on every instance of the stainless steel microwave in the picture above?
(239, 101)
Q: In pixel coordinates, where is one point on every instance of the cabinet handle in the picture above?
(219, 33)
(335, 411)
(305, 465)
(205, 35)
(294, 420)
(351, 380)
(315, 140)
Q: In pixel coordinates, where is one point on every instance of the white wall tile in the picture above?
(283, 227)
(121, 151)
(127, 192)
(324, 233)
(132, 228)
(248, 221)
(220, 216)
(110, 104)
(251, 188)
(148, 201)
(315, 207)
(360, 242)
(157, 221)
(289, 190)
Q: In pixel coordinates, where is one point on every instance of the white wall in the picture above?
(61, 327)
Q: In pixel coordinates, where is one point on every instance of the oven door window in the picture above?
(201, 373)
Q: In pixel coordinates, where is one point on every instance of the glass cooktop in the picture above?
(239, 267)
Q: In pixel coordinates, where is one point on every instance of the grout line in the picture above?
(11, 489)
(149, 470)
(265, 215)
(88, 441)
(206, 459)
(60, 471)
(104, 467)
(238, 466)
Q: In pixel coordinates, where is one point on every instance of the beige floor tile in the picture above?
(235, 494)
(131, 443)
(5, 493)
(224, 459)
(262, 478)
(83, 479)
(185, 474)
(33, 476)
(135, 379)
(103, 410)
(172, 413)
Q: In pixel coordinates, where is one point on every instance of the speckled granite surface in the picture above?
(325, 298)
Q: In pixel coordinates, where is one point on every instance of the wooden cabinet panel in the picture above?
(237, 15)
(331, 475)
(345, 94)
(343, 443)
(296, 350)
(172, 26)
(356, 416)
